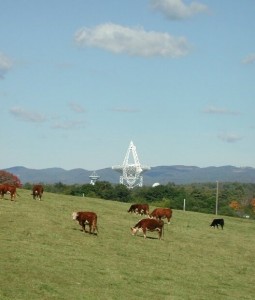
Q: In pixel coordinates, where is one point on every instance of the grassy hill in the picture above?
(44, 255)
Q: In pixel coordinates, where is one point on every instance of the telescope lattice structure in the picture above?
(131, 169)
(93, 177)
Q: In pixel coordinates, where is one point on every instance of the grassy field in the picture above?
(44, 254)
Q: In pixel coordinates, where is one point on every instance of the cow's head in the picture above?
(74, 215)
(134, 230)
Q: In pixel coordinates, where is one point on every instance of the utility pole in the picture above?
(217, 198)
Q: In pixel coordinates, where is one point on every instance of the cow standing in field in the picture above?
(86, 218)
(8, 189)
(148, 224)
(161, 213)
(133, 208)
(3, 190)
(141, 209)
(217, 222)
(37, 191)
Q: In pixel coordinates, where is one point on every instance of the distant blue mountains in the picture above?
(177, 174)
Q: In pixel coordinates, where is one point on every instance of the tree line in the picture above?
(234, 198)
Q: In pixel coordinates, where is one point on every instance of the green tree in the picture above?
(122, 193)
(104, 190)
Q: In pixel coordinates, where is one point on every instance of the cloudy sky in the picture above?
(80, 79)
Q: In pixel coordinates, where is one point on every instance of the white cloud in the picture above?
(5, 64)
(229, 137)
(27, 116)
(219, 111)
(177, 9)
(67, 125)
(125, 110)
(76, 107)
(133, 41)
(249, 59)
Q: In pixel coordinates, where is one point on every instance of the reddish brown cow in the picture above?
(2, 190)
(160, 213)
(141, 209)
(148, 224)
(86, 218)
(37, 191)
(133, 208)
(6, 188)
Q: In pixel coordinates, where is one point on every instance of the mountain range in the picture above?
(177, 174)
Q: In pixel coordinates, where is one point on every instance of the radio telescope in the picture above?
(93, 177)
(131, 168)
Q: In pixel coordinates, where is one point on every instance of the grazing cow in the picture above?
(160, 213)
(141, 209)
(217, 222)
(2, 190)
(10, 189)
(148, 224)
(86, 218)
(37, 191)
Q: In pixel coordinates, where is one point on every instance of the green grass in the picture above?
(44, 255)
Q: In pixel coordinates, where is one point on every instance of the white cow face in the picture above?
(133, 230)
(74, 215)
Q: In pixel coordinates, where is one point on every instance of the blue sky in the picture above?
(80, 79)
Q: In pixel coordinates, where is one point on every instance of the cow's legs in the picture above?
(144, 233)
(82, 223)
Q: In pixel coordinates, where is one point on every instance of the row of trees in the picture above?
(234, 199)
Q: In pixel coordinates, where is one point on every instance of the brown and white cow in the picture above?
(37, 191)
(161, 213)
(3, 190)
(8, 189)
(148, 224)
(141, 209)
(86, 218)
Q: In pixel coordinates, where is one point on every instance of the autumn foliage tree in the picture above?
(253, 204)
(8, 178)
(235, 205)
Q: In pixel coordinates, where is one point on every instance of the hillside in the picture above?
(161, 174)
(44, 255)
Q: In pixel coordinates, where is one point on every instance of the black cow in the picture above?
(217, 222)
